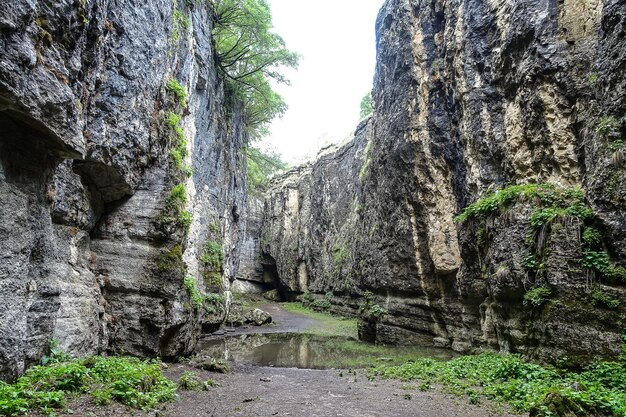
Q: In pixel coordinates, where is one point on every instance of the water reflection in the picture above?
(297, 350)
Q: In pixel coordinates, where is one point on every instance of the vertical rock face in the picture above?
(471, 96)
(86, 177)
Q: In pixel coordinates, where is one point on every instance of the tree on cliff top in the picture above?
(261, 166)
(248, 56)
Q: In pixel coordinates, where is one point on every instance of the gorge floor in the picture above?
(253, 390)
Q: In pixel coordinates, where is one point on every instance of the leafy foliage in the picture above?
(557, 202)
(527, 387)
(130, 381)
(608, 124)
(597, 261)
(174, 213)
(189, 381)
(177, 91)
(535, 297)
(213, 256)
(249, 55)
(178, 152)
(591, 237)
(366, 106)
(261, 166)
(602, 299)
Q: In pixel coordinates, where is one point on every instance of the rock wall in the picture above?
(470, 96)
(94, 247)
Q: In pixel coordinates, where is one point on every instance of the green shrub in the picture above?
(555, 200)
(189, 381)
(179, 21)
(366, 106)
(615, 273)
(529, 262)
(591, 238)
(132, 382)
(197, 298)
(213, 256)
(527, 387)
(616, 145)
(602, 299)
(597, 261)
(177, 91)
(178, 194)
(324, 304)
(535, 297)
(184, 220)
(608, 124)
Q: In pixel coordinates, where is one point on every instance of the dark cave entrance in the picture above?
(271, 279)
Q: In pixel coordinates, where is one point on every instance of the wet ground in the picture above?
(269, 379)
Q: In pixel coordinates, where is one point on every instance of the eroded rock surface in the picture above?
(469, 96)
(89, 256)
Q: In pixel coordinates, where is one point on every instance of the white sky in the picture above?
(336, 40)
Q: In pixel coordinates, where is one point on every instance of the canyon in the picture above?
(124, 189)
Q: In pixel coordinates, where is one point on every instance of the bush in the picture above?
(535, 297)
(189, 381)
(177, 91)
(213, 256)
(602, 299)
(132, 382)
(527, 387)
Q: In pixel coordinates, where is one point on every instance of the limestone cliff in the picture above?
(471, 96)
(106, 108)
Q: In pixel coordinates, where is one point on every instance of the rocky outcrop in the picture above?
(95, 244)
(471, 96)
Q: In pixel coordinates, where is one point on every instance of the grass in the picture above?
(324, 324)
(541, 390)
(130, 381)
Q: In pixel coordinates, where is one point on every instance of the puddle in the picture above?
(297, 350)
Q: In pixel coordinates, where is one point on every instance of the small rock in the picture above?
(258, 317)
(264, 379)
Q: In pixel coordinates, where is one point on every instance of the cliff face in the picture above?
(471, 96)
(96, 239)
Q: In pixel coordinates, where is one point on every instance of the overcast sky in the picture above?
(337, 42)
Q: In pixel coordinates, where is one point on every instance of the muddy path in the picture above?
(254, 390)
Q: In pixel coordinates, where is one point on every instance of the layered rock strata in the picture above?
(105, 108)
(472, 96)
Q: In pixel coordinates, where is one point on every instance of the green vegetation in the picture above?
(189, 381)
(597, 261)
(369, 310)
(366, 161)
(173, 213)
(615, 273)
(178, 152)
(535, 297)
(591, 238)
(212, 303)
(366, 106)
(177, 91)
(527, 387)
(249, 55)
(608, 124)
(213, 256)
(179, 21)
(172, 260)
(557, 202)
(261, 165)
(324, 304)
(130, 381)
(601, 299)
(324, 324)
(340, 254)
(616, 145)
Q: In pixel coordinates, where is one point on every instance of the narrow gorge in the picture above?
(480, 207)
